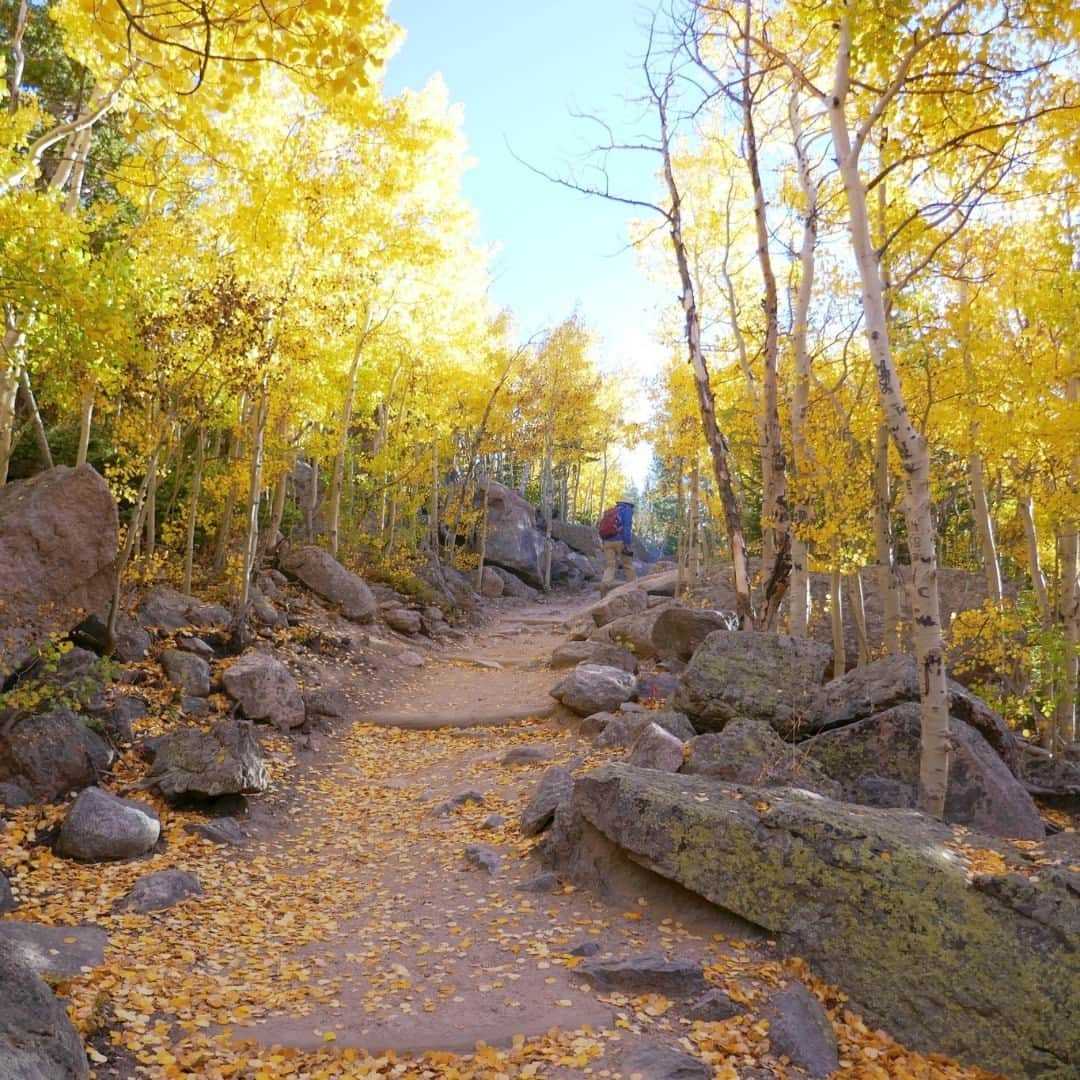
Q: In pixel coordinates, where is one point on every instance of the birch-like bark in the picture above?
(86, 419)
(836, 623)
(858, 616)
(1031, 542)
(36, 423)
(10, 375)
(910, 444)
(1069, 601)
(695, 514)
(799, 604)
(888, 578)
(193, 509)
(717, 444)
(260, 411)
(680, 531)
(312, 501)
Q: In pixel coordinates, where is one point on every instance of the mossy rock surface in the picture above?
(888, 904)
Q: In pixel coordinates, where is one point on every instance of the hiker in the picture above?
(614, 528)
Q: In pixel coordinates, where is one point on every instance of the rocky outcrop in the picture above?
(513, 586)
(326, 577)
(750, 752)
(226, 760)
(512, 539)
(768, 677)
(573, 653)
(580, 538)
(166, 609)
(892, 906)
(58, 535)
(49, 754)
(404, 620)
(623, 729)
(678, 631)
(619, 605)
(982, 793)
(100, 826)
(265, 690)
(37, 1039)
(592, 688)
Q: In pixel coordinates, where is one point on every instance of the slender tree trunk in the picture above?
(603, 480)
(482, 539)
(858, 614)
(695, 515)
(1038, 578)
(1069, 599)
(434, 503)
(10, 374)
(985, 528)
(150, 542)
(224, 533)
(40, 436)
(680, 531)
(913, 452)
(312, 501)
(547, 484)
(836, 622)
(337, 476)
(193, 509)
(887, 577)
(259, 414)
(86, 417)
(714, 438)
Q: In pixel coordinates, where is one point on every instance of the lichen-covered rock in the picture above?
(982, 793)
(101, 826)
(265, 689)
(573, 653)
(37, 1039)
(49, 754)
(769, 677)
(58, 535)
(187, 670)
(226, 760)
(884, 903)
(593, 688)
(326, 577)
(750, 752)
(633, 632)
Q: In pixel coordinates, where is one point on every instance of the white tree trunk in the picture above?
(887, 576)
(985, 526)
(912, 449)
(1031, 542)
(836, 622)
(86, 419)
(193, 509)
(858, 615)
(1069, 601)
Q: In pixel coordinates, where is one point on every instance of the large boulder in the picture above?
(894, 680)
(226, 760)
(186, 670)
(166, 609)
(512, 538)
(101, 826)
(265, 689)
(326, 577)
(491, 584)
(769, 677)
(894, 907)
(633, 632)
(678, 631)
(750, 752)
(573, 653)
(623, 729)
(982, 793)
(37, 1038)
(593, 688)
(513, 586)
(58, 535)
(656, 748)
(49, 754)
(580, 538)
(555, 788)
(619, 605)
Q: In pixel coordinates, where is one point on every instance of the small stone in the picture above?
(14, 796)
(482, 857)
(408, 658)
(224, 831)
(101, 826)
(800, 1029)
(160, 890)
(186, 670)
(7, 897)
(647, 974)
(653, 1062)
(526, 755)
(542, 883)
(713, 1006)
(462, 798)
(493, 821)
(586, 948)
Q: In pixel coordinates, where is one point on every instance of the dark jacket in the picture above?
(626, 521)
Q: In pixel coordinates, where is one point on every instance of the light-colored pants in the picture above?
(613, 556)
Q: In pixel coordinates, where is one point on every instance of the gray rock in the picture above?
(327, 703)
(100, 826)
(556, 786)
(403, 620)
(196, 645)
(768, 677)
(652, 1061)
(512, 539)
(326, 577)
(647, 974)
(14, 795)
(712, 1006)
(131, 642)
(866, 876)
(880, 791)
(187, 670)
(593, 652)
(633, 632)
(543, 883)
(586, 948)
(224, 831)
(195, 706)
(750, 752)
(54, 952)
(800, 1030)
(482, 857)
(493, 821)
(120, 717)
(618, 605)
(527, 755)
(491, 584)
(656, 748)
(209, 615)
(266, 613)
(159, 890)
(226, 760)
(678, 631)
(982, 793)
(165, 609)
(7, 897)
(264, 689)
(37, 1038)
(58, 533)
(623, 729)
(1042, 773)
(514, 587)
(49, 754)
(462, 798)
(410, 659)
(657, 686)
(592, 688)
(894, 680)
(583, 539)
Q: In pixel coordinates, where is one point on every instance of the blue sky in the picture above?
(520, 71)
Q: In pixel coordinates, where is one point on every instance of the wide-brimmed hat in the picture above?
(627, 499)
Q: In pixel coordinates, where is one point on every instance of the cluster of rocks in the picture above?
(789, 801)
